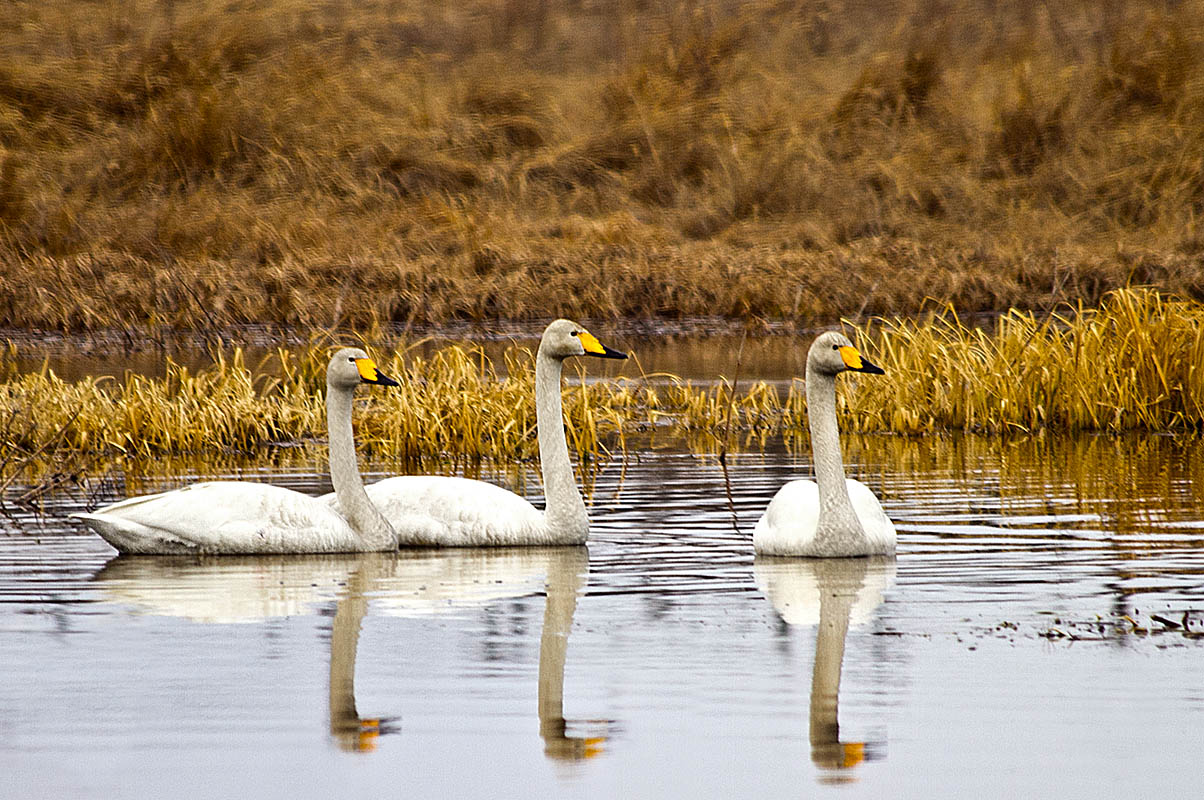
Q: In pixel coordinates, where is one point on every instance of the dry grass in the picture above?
(201, 165)
(1135, 363)
(455, 405)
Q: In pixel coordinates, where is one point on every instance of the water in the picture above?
(700, 358)
(1014, 647)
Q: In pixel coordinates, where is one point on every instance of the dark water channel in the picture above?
(1041, 634)
(772, 358)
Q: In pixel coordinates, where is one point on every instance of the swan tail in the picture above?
(131, 537)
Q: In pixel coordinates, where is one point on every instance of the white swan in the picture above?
(831, 516)
(833, 594)
(441, 511)
(242, 517)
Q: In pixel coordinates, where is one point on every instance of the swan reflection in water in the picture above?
(408, 584)
(833, 594)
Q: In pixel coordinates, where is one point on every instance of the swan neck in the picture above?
(825, 438)
(365, 519)
(838, 528)
(565, 511)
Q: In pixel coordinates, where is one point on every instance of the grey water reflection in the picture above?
(830, 594)
(255, 589)
(1025, 617)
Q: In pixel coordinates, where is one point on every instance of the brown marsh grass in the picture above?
(1134, 364)
(323, 163)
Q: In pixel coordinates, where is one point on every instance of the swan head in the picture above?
(832, 353)
(564, 338)
(351, 366)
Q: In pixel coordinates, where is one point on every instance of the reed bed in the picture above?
(456, 403)
(1136, 363)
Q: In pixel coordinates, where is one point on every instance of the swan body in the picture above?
(832, 516)
(224, 517)
(452, 511)
(239, 517)
(791, 520)
(440, 511)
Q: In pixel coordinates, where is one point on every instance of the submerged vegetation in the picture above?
(1135, 363)
(326, 163)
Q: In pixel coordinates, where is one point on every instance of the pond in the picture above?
(1041, 633)
(773, 358)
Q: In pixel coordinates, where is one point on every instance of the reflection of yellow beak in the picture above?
(854, 753)
(593, 746)
(369, 732)
(851, 358)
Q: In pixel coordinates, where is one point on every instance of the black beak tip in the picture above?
(608, 353)
(384, 380)
(872, 369)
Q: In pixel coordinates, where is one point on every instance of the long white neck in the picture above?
(839, 531)
(365, 519)
(565, 510)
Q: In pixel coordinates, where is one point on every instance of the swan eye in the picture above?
(835, 347)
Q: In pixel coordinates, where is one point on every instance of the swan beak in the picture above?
(595, 348)
(854, 361)
(370, 374)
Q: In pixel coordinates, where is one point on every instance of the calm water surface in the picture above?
(1022, 644)
(772, 358)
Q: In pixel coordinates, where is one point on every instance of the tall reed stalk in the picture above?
(1134, 363)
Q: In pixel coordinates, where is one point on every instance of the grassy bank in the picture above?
(316, 164)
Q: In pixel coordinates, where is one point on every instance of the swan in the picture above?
(242, 517)
(833, 594)
(441, 511)
(830, 516)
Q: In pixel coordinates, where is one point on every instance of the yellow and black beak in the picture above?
(853, 360)
(370, 374)
(595, 348)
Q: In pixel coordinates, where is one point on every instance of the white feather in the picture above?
(440, 511)
(789, 523)
(223, 517)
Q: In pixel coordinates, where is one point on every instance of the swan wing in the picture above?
(442, 511)
(788, 525)
(877, 526)
(223, 517)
